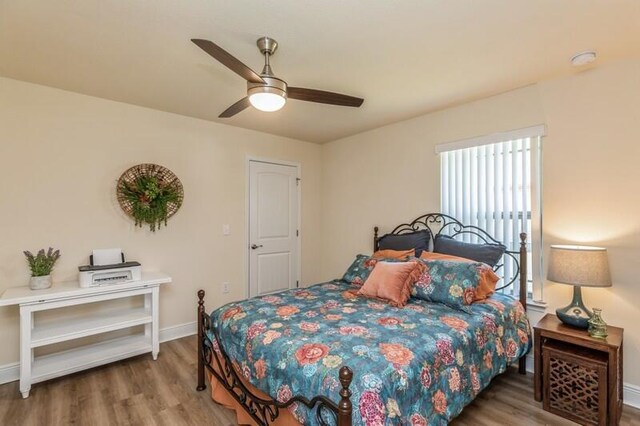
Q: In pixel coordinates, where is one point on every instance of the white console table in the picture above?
(34, 334)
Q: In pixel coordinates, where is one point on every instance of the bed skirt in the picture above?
(221, 396)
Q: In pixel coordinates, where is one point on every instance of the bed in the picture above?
(324, 356)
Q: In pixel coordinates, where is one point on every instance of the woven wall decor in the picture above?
(150, 194)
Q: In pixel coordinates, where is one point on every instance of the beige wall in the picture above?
(590, 171)
(60, 156)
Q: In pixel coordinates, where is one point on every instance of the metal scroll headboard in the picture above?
(442, 224)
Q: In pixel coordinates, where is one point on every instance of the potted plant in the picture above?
(41, 266)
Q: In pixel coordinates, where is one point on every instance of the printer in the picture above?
(107, 267)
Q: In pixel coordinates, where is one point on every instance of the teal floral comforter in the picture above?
(417, 365)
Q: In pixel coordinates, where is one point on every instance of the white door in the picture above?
(273, 227)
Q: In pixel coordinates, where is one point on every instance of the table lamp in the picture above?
(580, 266)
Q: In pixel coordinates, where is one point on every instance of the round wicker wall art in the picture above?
(150, 194)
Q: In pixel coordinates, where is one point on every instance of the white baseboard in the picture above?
(631, 395)
(177, 331)
(11, 372)
(530, 362)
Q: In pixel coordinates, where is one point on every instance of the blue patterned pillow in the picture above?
(451, 283)
(360, 269)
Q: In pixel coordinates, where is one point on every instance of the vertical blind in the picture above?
(495, 187)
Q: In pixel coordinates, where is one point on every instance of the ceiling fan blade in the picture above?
(320, 96)
(239, 106)
(228, 60)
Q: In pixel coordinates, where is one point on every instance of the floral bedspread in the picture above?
(416, 365)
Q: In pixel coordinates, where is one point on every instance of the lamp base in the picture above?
(575, 314)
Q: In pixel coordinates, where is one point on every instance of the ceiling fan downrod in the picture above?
(267, 47)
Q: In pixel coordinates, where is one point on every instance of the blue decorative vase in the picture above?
(575, 314)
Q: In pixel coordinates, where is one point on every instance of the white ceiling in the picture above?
(405, 57)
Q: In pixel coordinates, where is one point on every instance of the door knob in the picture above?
(255, 246)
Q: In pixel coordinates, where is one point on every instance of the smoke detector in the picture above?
(583, 58)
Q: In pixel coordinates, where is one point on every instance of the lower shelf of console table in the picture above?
(35, 334)
(66, 362)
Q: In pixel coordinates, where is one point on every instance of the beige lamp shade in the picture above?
(579, 265)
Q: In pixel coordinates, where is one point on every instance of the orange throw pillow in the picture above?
(394, 254)
(487, 278)
(392, 281)
(430, 255)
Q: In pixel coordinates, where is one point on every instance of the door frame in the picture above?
(247, 219)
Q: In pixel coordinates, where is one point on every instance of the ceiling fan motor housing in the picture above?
(271, 85)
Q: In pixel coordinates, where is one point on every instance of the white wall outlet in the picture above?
(225, 287)
(226, 229)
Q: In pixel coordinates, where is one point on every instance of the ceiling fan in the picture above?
(265, 91)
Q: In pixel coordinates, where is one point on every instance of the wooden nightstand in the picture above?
(578, 376)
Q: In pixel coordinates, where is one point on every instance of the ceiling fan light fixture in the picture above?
(267, 102)
(268, 99)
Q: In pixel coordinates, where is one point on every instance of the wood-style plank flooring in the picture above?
(140, 391)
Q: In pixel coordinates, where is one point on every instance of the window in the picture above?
(493, 182)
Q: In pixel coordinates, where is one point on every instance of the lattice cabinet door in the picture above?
(575, 383)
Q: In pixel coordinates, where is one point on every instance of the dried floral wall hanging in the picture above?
(150, 194)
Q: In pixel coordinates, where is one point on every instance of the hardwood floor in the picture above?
(140, 391)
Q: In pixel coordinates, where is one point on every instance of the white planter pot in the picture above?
(40, 283)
